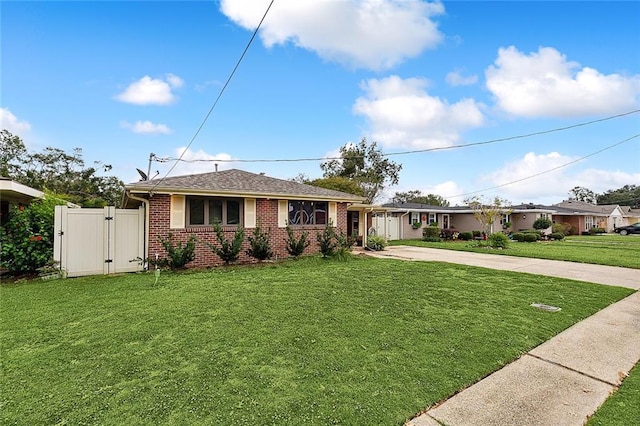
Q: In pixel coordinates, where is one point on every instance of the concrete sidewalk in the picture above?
(564, 380)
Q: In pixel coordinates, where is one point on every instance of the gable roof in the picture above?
(582, 207)
(239, 183)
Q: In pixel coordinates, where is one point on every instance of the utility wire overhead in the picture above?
(549, 170)
(235, 68)
(415, 151)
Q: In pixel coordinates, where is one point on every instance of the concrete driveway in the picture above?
(608, 275)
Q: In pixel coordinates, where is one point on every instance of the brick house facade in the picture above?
(264, 201)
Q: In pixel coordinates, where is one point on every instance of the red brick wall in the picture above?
(267, 219)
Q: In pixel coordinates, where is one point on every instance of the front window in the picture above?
(506, 218)
(432, 218)
(308, 212)
(208, 211)
(589, 222)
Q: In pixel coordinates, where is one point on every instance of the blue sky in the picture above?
(123, 79)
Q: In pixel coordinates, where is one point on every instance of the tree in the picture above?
(366, 166)
(486, 212)
(416, 196)
(585, 195)
(338, 183)
(60, 172)
(628, 195)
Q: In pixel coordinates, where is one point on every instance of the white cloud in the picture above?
(151, 91)
(402, 114)
(373, 34)
(550, 185)
(456, 78)
(198, 161)
(11, 123)
(146, 128)
(600, 181)
(545, 84)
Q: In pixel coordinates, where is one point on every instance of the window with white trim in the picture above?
(414, 217)
(204, 211)
(589, 222)
(433, 218)
(308, 212)
(506, 218)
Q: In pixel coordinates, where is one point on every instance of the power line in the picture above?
(235, 68)
(549, 170)
(416, 151)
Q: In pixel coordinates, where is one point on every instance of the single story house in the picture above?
(190, 205)
(12, 192)
(402, 216)
(584, 216)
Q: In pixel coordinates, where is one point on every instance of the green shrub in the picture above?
(476, 234)
(259, 245)
(556, 236)
(518, 236)
(542, 223)
(327, 241)
(344, 243)
(178, 255)
(498, 240)
(450, 234)
(432, 239)
(596, 230)
(466, 236)
(295, 247)
(376, 243)
(430, 232)
(26, 240)
(229, 250)
(530, 237)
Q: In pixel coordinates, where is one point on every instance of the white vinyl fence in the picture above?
(98, 241)
(387, 227)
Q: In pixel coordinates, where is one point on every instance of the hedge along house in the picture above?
(191, 205)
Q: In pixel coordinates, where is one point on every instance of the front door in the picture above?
(353, 223)
(445, 221)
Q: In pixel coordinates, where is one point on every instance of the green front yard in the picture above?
(368, 341)
(613, 250)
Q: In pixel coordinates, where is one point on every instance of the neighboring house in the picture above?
(584, 216)
(460, 218)
(12, 192)
(190, 205)
(629, 216)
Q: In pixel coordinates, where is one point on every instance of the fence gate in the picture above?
(98, 241)
(387, 227)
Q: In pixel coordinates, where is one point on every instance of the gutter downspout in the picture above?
(145, 234)
(402, 224)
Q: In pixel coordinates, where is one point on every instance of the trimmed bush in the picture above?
(498, 240)
(595, 230)
(542, 223)
(430, 232)
(556, 236)
(531, 237)
(476, 234)
(449, 234)
(229, 251)
(466, 236)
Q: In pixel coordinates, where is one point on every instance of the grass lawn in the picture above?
(368, 341)
(623, 408)
(613, 250)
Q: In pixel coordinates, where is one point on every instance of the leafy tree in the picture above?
(26, 240)
(364, 164)
(229, 250)
(628, 195)
(338, 183)
(486, 212)
(60, 172)
(416, 196)
(259, 245)
(585, 195)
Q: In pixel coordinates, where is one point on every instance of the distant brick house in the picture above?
(190, 205)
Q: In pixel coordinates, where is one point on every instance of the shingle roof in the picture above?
(581, 206)
(238, 182)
